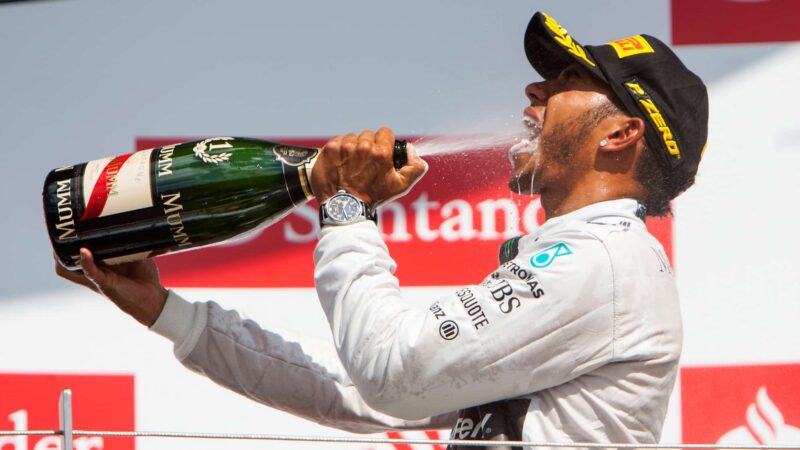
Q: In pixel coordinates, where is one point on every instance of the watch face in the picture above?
(343, 208)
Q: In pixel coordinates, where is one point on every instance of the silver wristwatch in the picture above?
(344, 209)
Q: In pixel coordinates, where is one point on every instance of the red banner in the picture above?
(461, 211)
(734, 21)
(741, 404)
(100, 402)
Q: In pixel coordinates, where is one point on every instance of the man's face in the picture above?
(560, 121)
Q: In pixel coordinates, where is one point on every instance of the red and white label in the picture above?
(741, 405)
(446, 232)
(100, 402)
(116, 185)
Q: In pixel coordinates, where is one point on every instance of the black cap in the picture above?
(647, 78)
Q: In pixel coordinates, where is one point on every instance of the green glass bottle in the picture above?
(176, 197)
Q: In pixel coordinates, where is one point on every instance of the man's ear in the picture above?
(621, 133)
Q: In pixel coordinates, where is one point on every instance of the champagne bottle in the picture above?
(176, 197)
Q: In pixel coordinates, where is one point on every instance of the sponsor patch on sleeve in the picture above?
(547, 256)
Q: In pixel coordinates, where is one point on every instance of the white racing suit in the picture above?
(574, 338)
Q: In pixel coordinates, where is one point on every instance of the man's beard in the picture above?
(558, 147)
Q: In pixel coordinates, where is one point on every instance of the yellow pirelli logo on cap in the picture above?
(656, 117)
(563, 38)
(634, 45)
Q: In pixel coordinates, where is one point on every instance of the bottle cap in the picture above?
(400, 157)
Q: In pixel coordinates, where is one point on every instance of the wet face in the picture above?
(559, 119)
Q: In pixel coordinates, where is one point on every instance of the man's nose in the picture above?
(537, 93)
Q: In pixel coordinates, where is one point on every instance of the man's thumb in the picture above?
(414, 169)
(90, 269)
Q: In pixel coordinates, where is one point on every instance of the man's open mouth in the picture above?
(534, 128)
(533, 125)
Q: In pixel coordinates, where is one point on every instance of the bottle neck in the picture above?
(305, 177)
(399, 158)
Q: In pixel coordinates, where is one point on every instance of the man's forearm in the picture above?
(295, 374)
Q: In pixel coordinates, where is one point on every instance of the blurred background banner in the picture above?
(734, 21)
(27, 403)
(84, 79)
(741, 404)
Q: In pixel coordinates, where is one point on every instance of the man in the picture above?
(574, 338)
